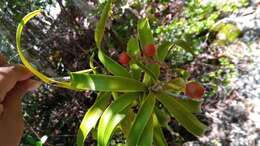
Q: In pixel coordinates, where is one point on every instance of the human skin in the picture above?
(15, 82)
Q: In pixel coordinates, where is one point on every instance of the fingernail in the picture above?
(1, 109)
(34, 85)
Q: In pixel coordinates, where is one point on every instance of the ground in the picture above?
(235, 113)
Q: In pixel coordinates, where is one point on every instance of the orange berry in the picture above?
(149, 50)
(123, 58)
(194, 90)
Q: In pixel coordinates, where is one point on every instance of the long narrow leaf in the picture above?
(40, 75)
(152, 73)
(100, 28)
(99, 82)
(162, 116)
(182, 114)
(163, 50)
(112, 66)
(91, 117)
(146, 69)
(147, 135)
(91, 63)
(192, 105)
(134, 50)
(141, 120)
(159, 138)
(112, 116)
(185, 45)
(146, 37)
(144, 32)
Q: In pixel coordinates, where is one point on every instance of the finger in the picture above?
(11, 121)
(30, 84)
(13, 98)
(9, 76)
(21, 73)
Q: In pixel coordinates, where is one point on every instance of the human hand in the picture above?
(15, 82)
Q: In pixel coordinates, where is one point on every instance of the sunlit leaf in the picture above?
(147, 70)
(100, 82)
(146, 37)
(141, 120)
(183, 73)
(182, 114)
(26, 63)
(100, 28)
(159, 138)
(228, 33)
(176, 84)
(133, 47)
(144, 32)
(112, 66)
(134, 50)
(112, 116)
(91, 117)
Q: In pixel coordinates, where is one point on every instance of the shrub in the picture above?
(139, 86)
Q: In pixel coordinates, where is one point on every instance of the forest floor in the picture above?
(235, 113)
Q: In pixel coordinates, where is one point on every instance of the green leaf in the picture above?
(144, 32)
(91, 117)
(163, 116)
(91, 63)
(159, 138)
(112, 66)
(141, 120)
(146, 69)
(183, 73)
(98, 82)
(134, 50)
(26, 63)
(112, 116)
(38, 143)
(192, 105)
(146, 37)
(182, 114)
(147, 135)
(185, 45)
(133, 47)
(163, 50)
(152, 71)
(100, 28)
(176, 84)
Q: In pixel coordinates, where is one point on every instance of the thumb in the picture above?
(22, 87)
(12, 103)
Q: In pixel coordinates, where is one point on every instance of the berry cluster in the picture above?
(149, 51)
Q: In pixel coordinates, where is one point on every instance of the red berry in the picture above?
(123, 58)
(194, 90)
(149, 50)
